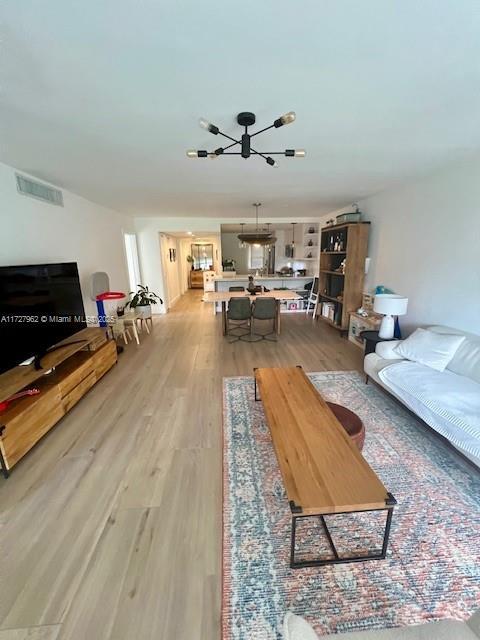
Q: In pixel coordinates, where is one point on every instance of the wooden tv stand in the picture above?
(85, 358)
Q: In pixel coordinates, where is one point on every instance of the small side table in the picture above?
(371, 340)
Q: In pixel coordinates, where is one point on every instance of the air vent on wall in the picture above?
(29, 187)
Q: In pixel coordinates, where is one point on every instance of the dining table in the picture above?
(223, 297)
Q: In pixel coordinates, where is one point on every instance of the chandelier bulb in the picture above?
(205, 124)
(289, 117)
(300, 153)
(192, 153)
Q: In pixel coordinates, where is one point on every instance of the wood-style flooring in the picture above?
(110, 528)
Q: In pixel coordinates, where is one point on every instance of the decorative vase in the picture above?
(143, 311)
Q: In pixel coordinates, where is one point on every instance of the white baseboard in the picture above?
(173, 301)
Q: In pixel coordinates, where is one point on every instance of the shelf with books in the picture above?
(343, 250)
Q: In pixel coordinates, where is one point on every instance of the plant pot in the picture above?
(143, 311)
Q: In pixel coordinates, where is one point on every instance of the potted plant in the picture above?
(142, 301)
(190, 259)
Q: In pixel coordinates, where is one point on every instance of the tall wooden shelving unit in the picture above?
(343, 289)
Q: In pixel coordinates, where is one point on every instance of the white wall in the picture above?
(170, 270)
(425, 244)
(80, 231)
(232, 251)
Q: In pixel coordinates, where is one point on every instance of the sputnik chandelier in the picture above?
(247, 119)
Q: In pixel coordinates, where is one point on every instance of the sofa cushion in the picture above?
(296, 628)
(474, 622)
(466, 361)
(446, 401)
(443, 630)
(431, 349)
(387, 351)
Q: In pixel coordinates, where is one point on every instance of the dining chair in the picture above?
(238, 318)
(264, 309)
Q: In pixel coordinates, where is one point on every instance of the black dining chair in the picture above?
(238, 318)
(264, 309)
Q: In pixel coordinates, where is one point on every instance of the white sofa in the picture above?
(448, 401)
(296, 628)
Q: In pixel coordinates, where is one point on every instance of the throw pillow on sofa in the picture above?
(387, 350)
(433, 350)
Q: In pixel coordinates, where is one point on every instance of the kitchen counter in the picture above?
(261, 279)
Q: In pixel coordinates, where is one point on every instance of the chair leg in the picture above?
(252, 332)
(135, 332)
(237, 336)
(272, 333)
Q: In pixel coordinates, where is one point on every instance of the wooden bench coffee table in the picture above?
(323, 472)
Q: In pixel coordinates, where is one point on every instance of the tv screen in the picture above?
(40, 305)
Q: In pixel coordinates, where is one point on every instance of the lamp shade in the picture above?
(390, 304)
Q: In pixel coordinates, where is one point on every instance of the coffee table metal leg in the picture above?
(257, 399)
(386, 535)
(329, 537)
(293, 564)
(301, 564)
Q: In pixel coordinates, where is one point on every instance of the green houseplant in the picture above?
(190, 260)
(142, 300)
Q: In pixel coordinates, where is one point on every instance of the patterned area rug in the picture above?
(432, 570)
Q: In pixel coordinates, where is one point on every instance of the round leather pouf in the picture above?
(350, 422)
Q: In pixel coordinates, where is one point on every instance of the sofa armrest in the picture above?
(386, 350)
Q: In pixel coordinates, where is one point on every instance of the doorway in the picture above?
(202, 260)
(133, 265)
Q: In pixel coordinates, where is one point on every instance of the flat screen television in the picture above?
(40, 305)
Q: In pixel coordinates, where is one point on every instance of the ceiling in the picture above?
(103, 98)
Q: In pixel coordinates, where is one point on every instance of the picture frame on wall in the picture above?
(172, 255)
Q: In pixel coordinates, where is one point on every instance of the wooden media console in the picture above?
(76, 367)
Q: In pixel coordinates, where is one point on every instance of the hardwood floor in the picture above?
(111, 526)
